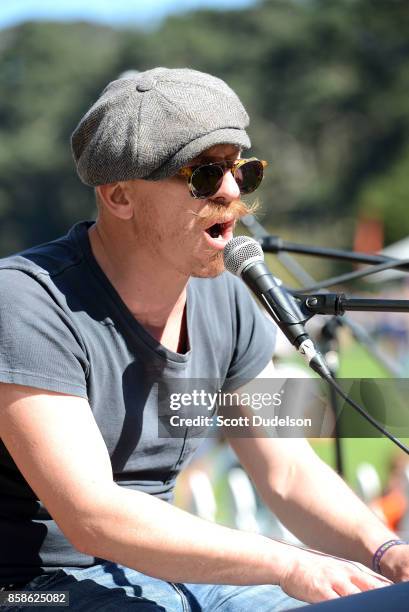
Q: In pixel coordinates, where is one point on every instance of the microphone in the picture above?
(244, 257)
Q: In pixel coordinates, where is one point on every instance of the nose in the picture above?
(228, 191)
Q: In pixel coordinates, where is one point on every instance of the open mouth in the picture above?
(216, 230)
(220, 233)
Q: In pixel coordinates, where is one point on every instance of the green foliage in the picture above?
(45, 85)
(324, 81)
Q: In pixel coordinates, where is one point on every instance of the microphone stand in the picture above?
(329, 344)
(330, 331)
(275, 244)
(338, 303)
(303, 277)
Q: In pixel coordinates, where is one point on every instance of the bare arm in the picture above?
(51, 434)
(309, 497)
(57, 445)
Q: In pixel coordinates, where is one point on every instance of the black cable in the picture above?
(350, 276)
(363, 413)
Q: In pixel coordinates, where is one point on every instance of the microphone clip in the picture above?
(322, 303)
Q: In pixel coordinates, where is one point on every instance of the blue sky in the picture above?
(114, 12)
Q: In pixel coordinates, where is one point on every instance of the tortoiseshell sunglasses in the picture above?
(204, 180)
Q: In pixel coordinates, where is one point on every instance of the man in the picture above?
(92, 322)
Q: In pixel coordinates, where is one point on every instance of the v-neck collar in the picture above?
(80, 232)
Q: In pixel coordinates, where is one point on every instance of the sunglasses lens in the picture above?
(206, 180)
(249, 175)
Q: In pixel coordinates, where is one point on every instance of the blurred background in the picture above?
(326, 85)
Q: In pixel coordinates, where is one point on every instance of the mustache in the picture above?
(214, 212)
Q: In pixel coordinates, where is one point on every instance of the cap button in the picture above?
(146, 83)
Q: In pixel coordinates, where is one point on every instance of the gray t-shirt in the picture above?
(64, 328)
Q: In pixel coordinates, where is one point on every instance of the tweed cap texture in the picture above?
(152, 123)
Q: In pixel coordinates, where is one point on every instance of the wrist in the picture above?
(284, 560)
(382, 559)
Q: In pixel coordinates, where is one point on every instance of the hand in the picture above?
(395, 563)
(314, 577)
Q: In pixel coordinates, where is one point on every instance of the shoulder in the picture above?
(48, 259)
(35, 270)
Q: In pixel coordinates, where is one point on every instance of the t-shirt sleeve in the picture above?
(255, 334)
(39, 345)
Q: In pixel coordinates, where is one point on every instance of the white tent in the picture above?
(400, 250)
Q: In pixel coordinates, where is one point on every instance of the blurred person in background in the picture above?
(91, 322)
(393, 505)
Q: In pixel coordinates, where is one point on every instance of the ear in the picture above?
(116, 200)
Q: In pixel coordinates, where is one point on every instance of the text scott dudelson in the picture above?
(241, 421)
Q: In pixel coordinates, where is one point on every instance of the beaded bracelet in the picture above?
(379, 553)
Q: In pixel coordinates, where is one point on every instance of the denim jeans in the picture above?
(111, 587)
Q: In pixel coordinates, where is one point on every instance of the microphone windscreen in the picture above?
(241, 251)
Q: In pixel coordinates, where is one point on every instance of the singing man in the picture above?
(91, 323)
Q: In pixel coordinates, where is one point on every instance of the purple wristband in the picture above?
(379, 553)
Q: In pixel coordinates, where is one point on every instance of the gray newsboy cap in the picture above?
(152, 123)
